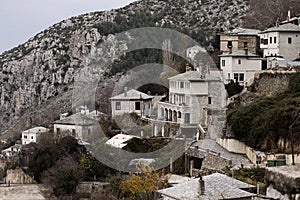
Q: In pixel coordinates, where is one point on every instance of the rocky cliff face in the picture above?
(36, 78)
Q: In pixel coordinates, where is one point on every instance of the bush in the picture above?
(233, 88)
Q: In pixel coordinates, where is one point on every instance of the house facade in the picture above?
(132, 101)
(281, 41)
(191, 95)
(33, 134)
(78, 125)
(240, 66)
(237, 38)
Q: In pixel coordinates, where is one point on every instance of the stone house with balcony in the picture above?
(193, 95)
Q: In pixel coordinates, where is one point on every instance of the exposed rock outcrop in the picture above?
(36, 78)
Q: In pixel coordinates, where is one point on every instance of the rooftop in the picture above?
(239, 53)
(132, 95)
(76, 119)
(38, 129)
(119, 141)
(283, 28)
(217, 186)
(242, 31)
(193, 76)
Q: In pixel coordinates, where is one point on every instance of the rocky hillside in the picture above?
(36, 77)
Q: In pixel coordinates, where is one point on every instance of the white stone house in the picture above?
(10, 151)
(240, 66)
(33, 134)
(132, 101)
(78, 125)
(281, 41)
(191, 95)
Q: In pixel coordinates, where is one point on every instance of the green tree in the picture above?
(143, 184)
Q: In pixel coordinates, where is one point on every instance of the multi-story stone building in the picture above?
(281, 41)
(237, 38)
(192, 95)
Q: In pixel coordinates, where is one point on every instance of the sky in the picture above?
(22, 19)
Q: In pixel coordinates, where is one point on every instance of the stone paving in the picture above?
(20, 192)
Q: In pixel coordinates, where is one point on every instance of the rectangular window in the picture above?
(241, 77)
(209, 100)
(262, 41)
(25, 136)
(239, 61)
(137, 105)
(118, 105)
(186, 118)
(229, 76)
(181, 84)
(223, 63)
(290, 40)
(236, 77)
(275, 40)
(265, 41)
(229, 44)
(271, 40)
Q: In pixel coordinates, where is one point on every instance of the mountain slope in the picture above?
(36, 77)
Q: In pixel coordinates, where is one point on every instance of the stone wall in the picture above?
(271, 82)
(2, 170)
(235, 146)
(17, 176)
(215, 161)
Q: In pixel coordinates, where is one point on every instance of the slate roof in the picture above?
(283, 28)
(243, 31)
(239, 53)
(76, 119)
(132, 95)
(35, 130)
(217, 186)
(193, 76)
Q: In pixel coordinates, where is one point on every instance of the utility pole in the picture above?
(292, 138)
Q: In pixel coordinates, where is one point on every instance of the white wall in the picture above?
(282, 47)
(289, 51)
(248, 66)
(129, 107)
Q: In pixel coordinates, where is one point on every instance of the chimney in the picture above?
(289, 15)
(125, 91)
(201, 186)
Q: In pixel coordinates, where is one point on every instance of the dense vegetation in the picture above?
(264, 122)
(63, 164)
(145, 19)
(264, 13)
